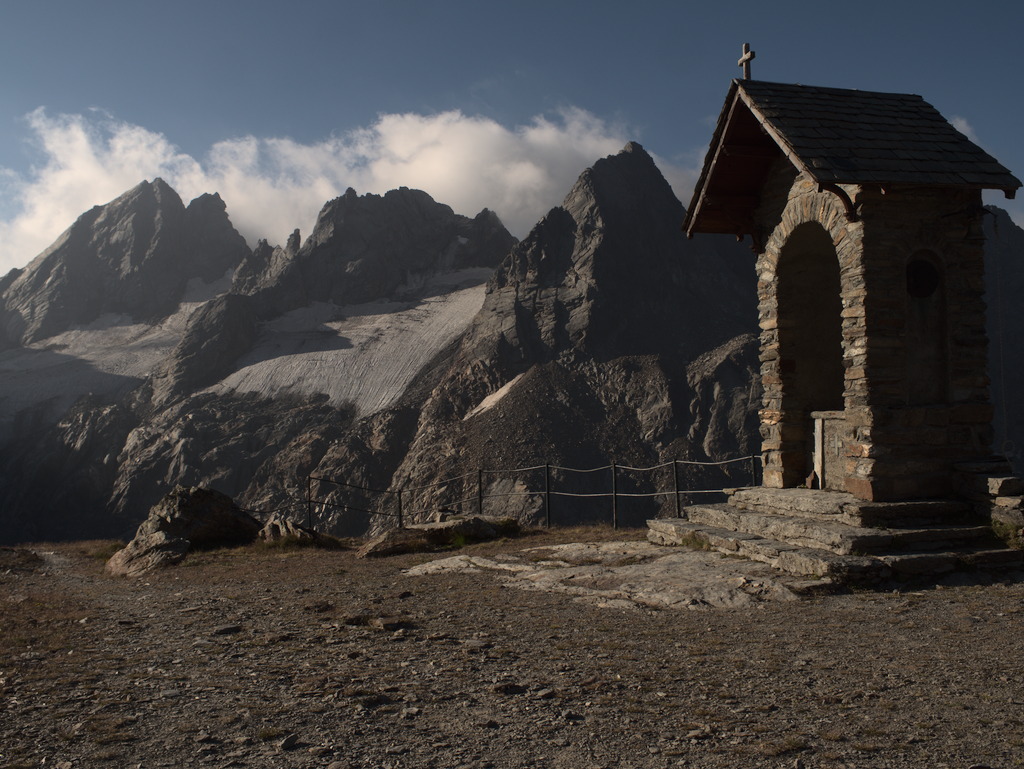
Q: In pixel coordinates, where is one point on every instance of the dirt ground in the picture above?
(310, 658)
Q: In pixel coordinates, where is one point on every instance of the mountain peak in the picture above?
(627, 182)
(614, 245)
(133, 255)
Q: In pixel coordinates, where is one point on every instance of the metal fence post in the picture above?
(399, 508)
(753, 471)
(309, 502)
(547, 496)
(480, 491)
(615, 501)
(675, 486)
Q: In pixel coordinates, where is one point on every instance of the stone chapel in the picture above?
(865, 214)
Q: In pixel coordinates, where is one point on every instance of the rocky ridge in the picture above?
(367, 247)
(128, 338)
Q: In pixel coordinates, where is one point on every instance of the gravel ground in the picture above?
(310, 658)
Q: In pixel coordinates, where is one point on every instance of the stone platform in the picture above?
(834, 535)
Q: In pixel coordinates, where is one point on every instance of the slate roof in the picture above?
(835, 136)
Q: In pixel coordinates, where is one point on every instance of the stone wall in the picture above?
(903, 447)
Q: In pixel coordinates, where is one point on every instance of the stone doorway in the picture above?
(810, 349)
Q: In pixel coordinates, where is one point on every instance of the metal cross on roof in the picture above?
(745, 60)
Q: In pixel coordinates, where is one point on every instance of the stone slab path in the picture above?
(632, 574)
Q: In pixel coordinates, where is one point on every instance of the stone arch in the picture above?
(809, 223)
(804, 205)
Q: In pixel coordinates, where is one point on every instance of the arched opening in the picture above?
(810, 343)
(927, 351)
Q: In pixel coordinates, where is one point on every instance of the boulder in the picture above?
(146, 553)
(438, 535)
(278, 528)
(186, 519)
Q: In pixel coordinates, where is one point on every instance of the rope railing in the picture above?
(547, 492)
(515, 470)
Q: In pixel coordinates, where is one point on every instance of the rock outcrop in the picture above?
(438, 535)
(281, 529)
(1004, 286)
(186, 519)
(216, 334)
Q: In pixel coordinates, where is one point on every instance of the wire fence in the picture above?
(471, 492)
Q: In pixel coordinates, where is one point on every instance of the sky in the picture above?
(280, 107)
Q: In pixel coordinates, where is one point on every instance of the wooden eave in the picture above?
(735, 167)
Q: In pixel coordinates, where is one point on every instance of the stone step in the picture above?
(825, 564)
(834, 535)
(810, 502)
(992, 466)
(846, 508)
(923, 564)
(914, 513)
(1002, 485)
(786, 557)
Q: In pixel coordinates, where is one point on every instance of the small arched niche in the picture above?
(926, 330)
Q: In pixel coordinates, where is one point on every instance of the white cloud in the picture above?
(961, 124)
(271, 186)
(86, 165)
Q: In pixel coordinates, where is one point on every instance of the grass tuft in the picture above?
(319, 542)
(1008, 533)
(103, 549)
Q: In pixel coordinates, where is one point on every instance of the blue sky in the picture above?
(280, 106)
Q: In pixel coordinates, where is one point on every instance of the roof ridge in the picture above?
(835, 89)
